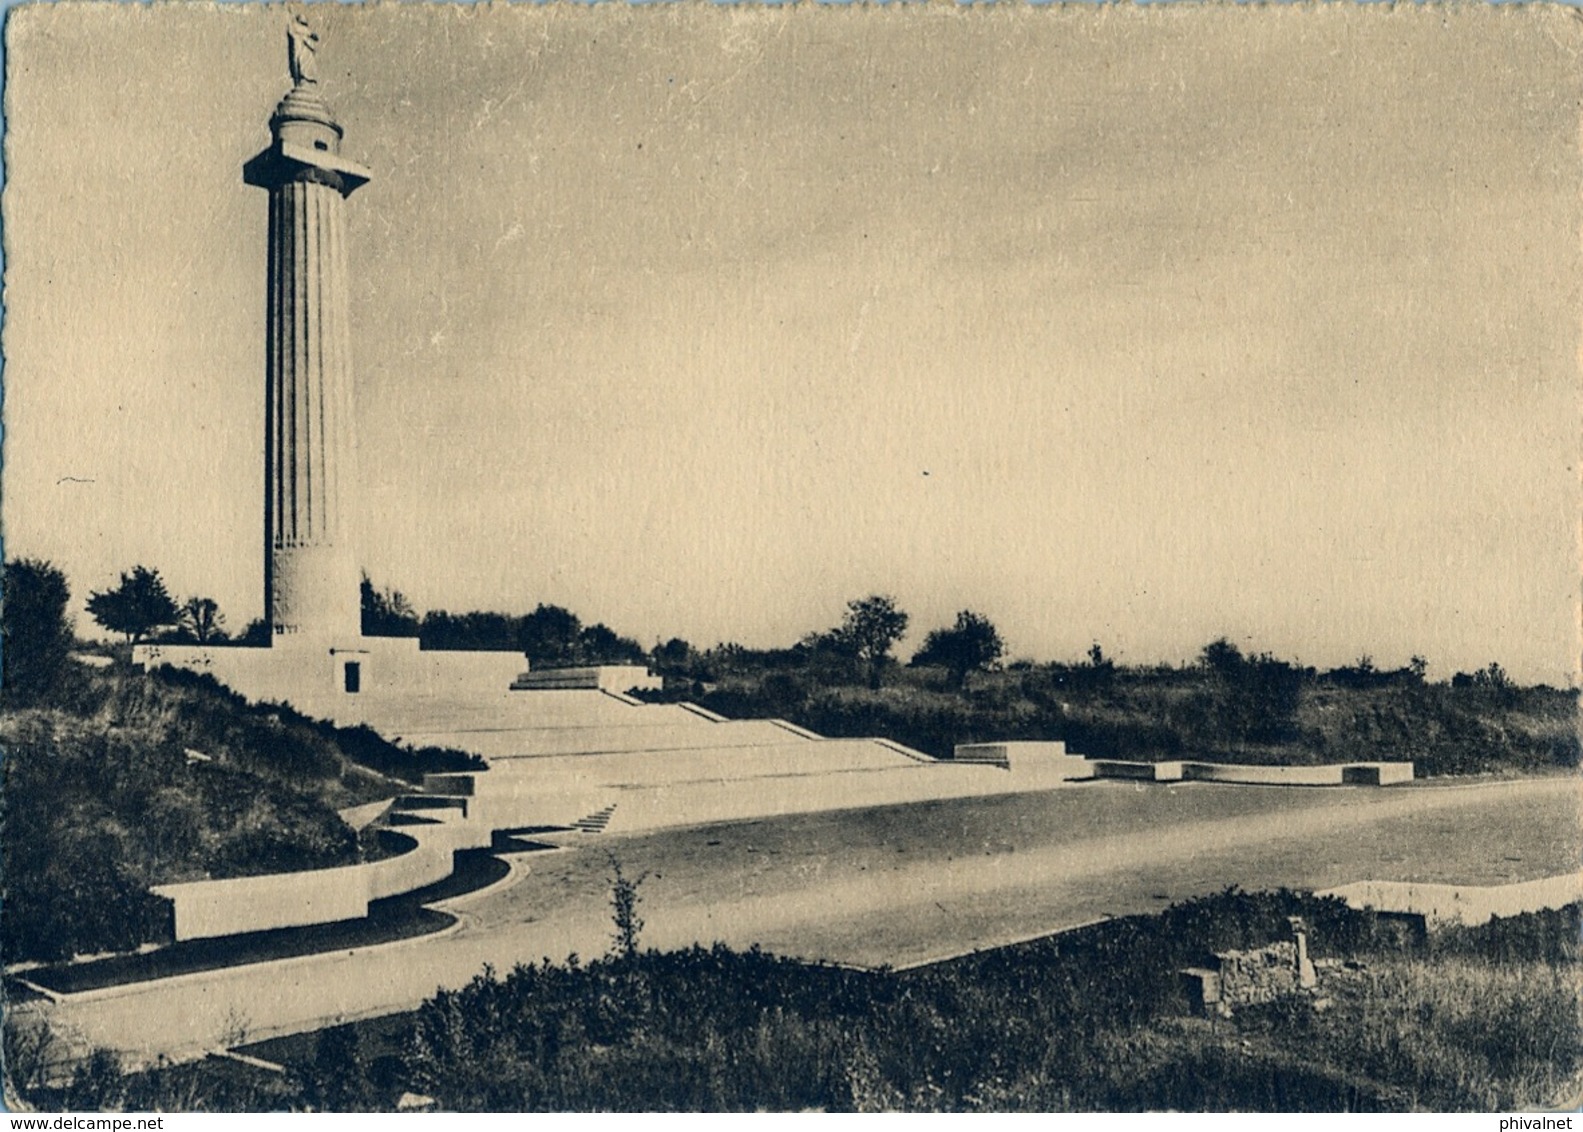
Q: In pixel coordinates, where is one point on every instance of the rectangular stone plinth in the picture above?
(615, 678)
(1045, 758)
(1376, 774)
(1003, 753)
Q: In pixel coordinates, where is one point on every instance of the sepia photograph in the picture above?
(809, 557)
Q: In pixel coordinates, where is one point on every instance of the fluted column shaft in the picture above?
(308, 365)
(311, 579)
(310, 412)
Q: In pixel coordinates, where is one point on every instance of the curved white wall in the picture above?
(208, 908)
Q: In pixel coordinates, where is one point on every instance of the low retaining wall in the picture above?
(1152, 772)
(1328, 774)
(365, 815)
(1266, 775)
(208, 908)
(1074, 767)
(1470, 905)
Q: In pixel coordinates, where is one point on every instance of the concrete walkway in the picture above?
(898, 885)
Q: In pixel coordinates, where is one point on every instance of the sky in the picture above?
(1136, 326)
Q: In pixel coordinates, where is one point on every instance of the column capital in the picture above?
(286, 161)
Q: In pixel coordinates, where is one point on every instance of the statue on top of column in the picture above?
(303, 45)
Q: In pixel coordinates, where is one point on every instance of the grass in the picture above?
(1459, 1032)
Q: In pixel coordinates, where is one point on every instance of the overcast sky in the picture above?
(1136, 326)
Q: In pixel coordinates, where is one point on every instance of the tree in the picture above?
(549, 635)
(966, 647)
(201, 617)
(386, 613)
(1494, 681)
(1222, 658)
(35, 634)
(624, 916)
(675, 656)
(1100, 670)
(600, 644)
(478, 631)
(1493, 677)
(870, 629)
(1252, 698)
(136, 607)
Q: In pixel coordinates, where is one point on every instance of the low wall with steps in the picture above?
(619, 792)
(710, 772)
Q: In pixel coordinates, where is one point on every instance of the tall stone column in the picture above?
(310, 573)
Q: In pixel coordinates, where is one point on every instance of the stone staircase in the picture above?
(596, 822)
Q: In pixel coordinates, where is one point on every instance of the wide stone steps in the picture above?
(704, 764)
(695, 735)
(416, 718)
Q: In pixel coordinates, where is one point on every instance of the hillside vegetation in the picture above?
(846, 681)
(1227, 707)
(134, 780)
